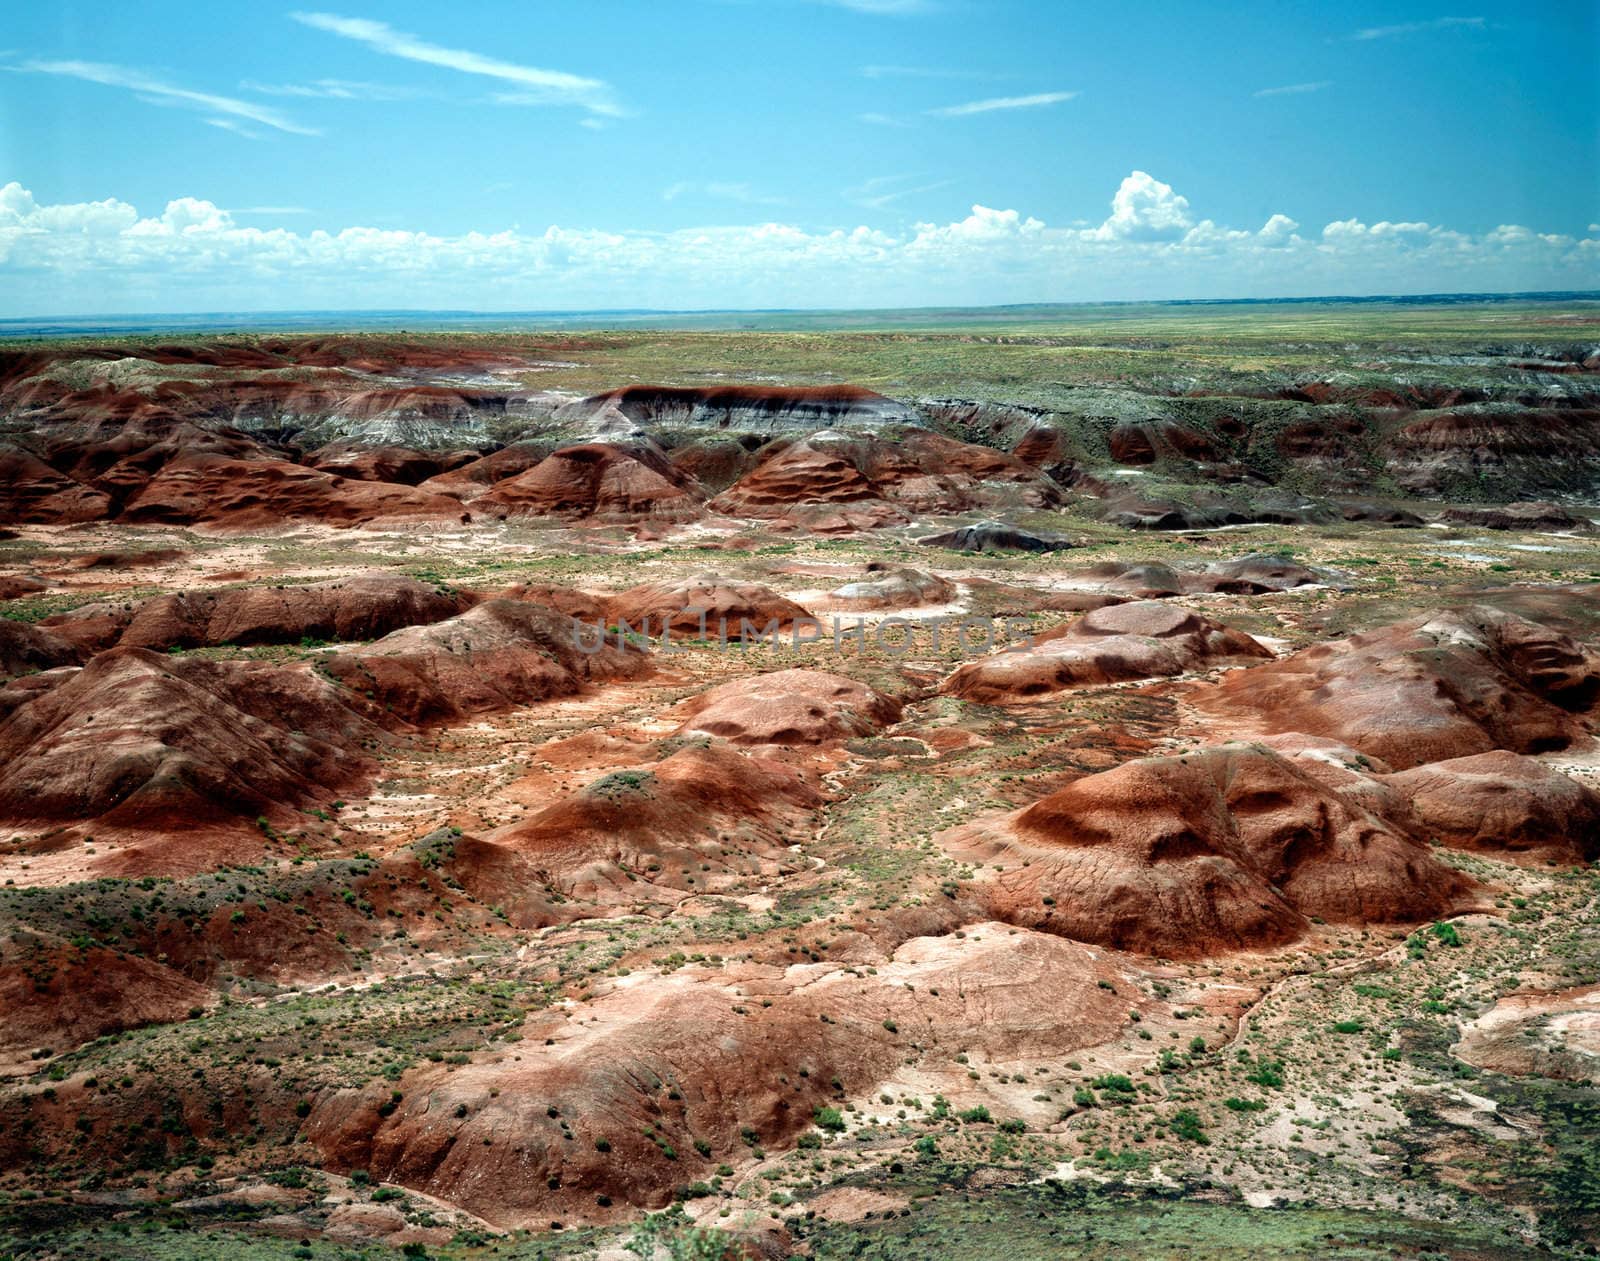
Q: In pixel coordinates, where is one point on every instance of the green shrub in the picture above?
(1185, 1124)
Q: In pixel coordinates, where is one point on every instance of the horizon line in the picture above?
(195, 321)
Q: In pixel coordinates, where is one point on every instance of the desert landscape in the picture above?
(1030, 783)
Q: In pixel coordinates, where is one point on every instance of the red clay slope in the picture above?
(1225, 849)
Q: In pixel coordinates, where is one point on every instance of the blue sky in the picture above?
(694, 153)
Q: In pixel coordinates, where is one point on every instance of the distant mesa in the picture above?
(750, 408)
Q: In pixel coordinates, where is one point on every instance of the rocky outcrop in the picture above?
(1230, 848)
(995, 536)
(764, 409)
(1552, 518)
(364, 607)
(600, 482)
(1140, 640)
(1442, 686)
(790, 707)
(498, 654)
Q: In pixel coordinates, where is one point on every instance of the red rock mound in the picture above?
(819, 470)
(868, 480)
(791, 707)
(1229, 848)
(250, 494)
(1257, 574)
(363, 607)
(702, 606)
(58, 996)
(1545, 517)
(1546, 449)
(403, 465)
(25, 648)
(469, 481)
(1141, 640)
(1502, 803)
(598, 481)
(672, 1072)
(500, 654)
(31, 492)
(893, 587)
(1447, 685)
(1147, 441)
(995, 536)
(179, 751)
(705, 820)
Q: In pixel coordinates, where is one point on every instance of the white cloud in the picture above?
(884, 190)
(1295, 89)
(103, 256)
(722, 190)
(333, 89)
(1417, 28)
(534, 86)
(883, 120)
(1145, 209)
(1002, 102)
(223, 111)
(1278, 230)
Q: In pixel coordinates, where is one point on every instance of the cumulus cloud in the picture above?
(532, 84)
(105, 256)
(1145, 209)
(222, 111)
(1002, 102)
(1278, 230)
